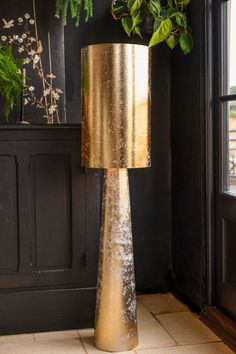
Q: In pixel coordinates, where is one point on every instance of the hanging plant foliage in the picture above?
(74, 7)
(168, 18)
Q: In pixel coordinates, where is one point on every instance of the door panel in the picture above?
(229, 251)
(50, 181)
(9, 259)
(226, 260)
(51, 248)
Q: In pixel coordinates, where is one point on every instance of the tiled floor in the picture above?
(166, 326)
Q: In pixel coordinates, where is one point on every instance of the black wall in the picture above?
(188, 126)
(151, 188)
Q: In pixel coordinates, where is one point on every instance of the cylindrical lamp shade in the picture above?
(116, 106)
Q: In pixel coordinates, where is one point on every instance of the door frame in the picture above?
(214, 318)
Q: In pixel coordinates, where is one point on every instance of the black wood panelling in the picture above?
(51, 207)
(58, 204)
(51, 193)
(229, 252)
(8, 215)
(43, 310)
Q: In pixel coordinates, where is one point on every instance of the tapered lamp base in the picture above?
(116, 318)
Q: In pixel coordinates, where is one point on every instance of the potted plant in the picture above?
(11, 80)
(167, 19)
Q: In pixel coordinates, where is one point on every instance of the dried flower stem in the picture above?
(40, 59)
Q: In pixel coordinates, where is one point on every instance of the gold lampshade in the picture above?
(115, 106)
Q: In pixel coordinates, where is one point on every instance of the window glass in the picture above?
(232, 47)
(231, 147)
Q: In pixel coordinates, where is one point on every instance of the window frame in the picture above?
(222, 95)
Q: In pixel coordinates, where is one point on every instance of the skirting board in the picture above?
(46, 310)
(222, 325)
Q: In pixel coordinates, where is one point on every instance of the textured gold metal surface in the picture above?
(115, 106)
(116, 324)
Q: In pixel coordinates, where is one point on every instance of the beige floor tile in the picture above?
(151, 333)
(87, 336)
(19, 338)
(67, 346)
(186, 328)
(56, 335)
(162, 303)
(209, 348)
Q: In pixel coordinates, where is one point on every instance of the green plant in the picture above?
(168, 18)
(11, 80)
(75, 6)
(233, 90)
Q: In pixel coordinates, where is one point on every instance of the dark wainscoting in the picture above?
(49, 217)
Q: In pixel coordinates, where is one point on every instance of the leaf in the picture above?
(171, 41)
(118, 9)
(137, 31)
(134, 5)
(154, 7)
(186, 42)
(157, 23)
(170, 3)
(181, 19)
(127, 24)
(168, 12)
(137, 19)
(161, 33)
(184, 2)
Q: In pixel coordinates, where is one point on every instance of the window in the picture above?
(228, 95)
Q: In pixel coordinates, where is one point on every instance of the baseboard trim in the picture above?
(46, 310)
(222, 325)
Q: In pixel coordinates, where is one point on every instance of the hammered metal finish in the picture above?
(116, 324)
(115, 106)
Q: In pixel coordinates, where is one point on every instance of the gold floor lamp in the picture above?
(115, 137)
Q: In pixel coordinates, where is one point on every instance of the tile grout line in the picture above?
(169, 313)
(82, 343)
(164, 328)
(179, 346)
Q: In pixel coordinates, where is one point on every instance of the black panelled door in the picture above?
(226, 161)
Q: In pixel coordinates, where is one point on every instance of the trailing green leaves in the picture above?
(161, 33)
(75, 7)
(169, 20)
(11, 80)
